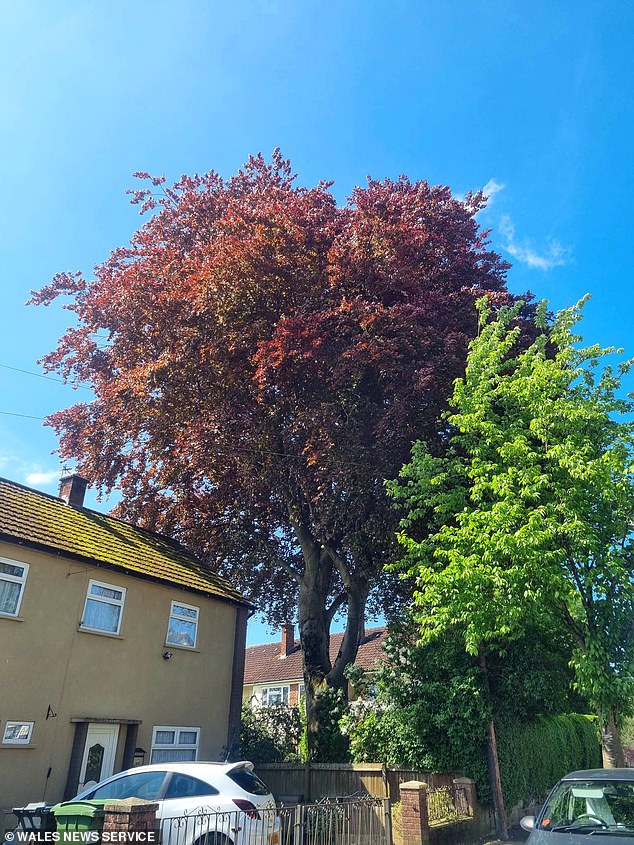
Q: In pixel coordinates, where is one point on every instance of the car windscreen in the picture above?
(249, 781)
(590, 806)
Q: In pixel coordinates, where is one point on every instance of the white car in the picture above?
(199, 803)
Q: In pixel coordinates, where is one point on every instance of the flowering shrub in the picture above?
(271, 734)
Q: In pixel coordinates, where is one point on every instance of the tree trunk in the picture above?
(314, 634)
(611, 748)
(321, 677)
(493, 764)
(357, 595)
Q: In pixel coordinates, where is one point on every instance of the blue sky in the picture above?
(534, 100)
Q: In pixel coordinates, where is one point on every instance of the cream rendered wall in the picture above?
(46, 661)
(248, 691)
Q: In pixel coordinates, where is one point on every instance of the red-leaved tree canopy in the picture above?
(262, 360)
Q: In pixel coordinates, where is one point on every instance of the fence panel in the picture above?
(293, 782)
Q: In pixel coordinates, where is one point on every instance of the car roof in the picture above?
(601, 774)
(199, 768)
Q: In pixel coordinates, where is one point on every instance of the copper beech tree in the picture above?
(261, 360)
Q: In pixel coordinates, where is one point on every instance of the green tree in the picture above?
(531, 508)
(431, 709)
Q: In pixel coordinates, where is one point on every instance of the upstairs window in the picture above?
(103, 608)
(183, 625)
(274, 695)
(12, 581)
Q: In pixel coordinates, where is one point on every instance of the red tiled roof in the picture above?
(263, 662)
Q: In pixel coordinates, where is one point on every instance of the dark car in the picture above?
(594, 802)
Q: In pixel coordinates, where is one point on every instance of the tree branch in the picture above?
(576, 631)
(357, 597)
(340, 563)
(336, 604)
(295, 575)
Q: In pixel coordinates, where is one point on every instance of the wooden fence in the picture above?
(296, 782)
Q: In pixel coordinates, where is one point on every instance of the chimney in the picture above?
(72, 489)
(288, 639)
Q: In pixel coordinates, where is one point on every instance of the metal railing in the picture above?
(440, 805)
(237, 827)
(358, 821)
(447, 805)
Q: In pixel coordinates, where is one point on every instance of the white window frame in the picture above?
(20, 741)
(274, 686)
(116, 602)
(174, 746)
(177, 616)
(15, 579)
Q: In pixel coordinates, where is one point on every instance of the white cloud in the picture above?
(43, 479)
(492, 188)
(489, 190)
(555, 255)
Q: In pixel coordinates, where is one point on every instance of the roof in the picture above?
(40, 521)
(601, 774)
(263, 662)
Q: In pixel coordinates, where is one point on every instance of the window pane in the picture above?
(94, 763)
(188, 737)
(173, 755)
(11, 569)
(141, 785)
(183, 786)
(106, 592)
(17, 732)
(102, 616)
(248, 781)
(165, 738)
(276, 695)
(181, 632)
(9, 596)
(181, 610)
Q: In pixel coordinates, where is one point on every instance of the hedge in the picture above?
(534, 756)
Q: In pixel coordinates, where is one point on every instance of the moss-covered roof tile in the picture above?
(46, 522)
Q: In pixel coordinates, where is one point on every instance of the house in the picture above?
(274, 674)
(118, 647)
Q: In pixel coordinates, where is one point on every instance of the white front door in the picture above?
(99, 753)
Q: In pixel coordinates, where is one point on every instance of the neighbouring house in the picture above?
(274, 674)
(118, 647)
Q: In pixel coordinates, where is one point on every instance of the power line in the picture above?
(41, 375)
(233, 450)
(25, 416)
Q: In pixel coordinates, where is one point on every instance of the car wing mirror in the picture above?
(528, 823)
